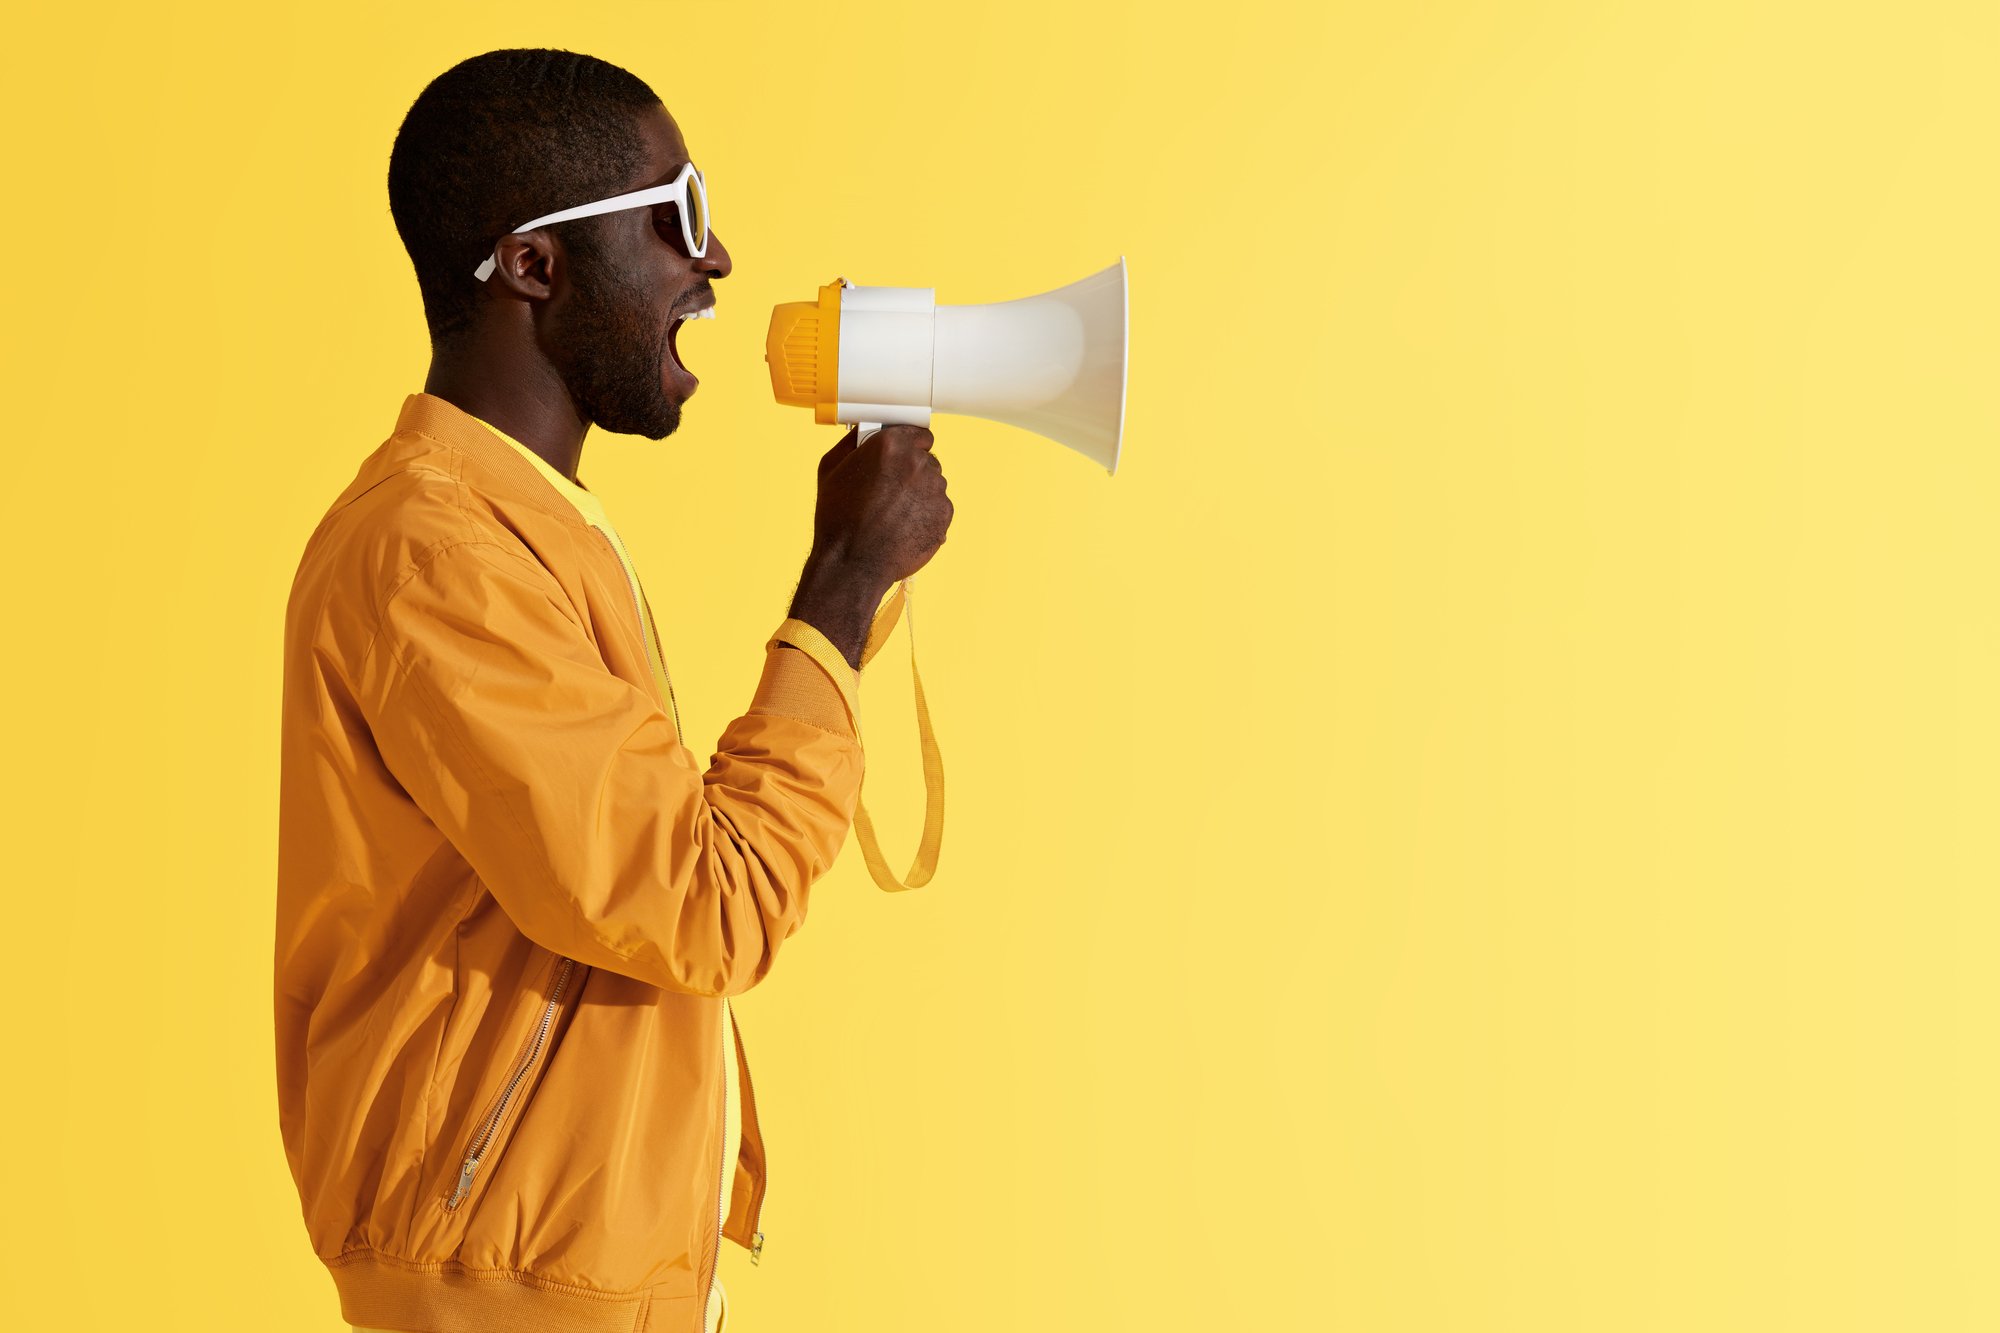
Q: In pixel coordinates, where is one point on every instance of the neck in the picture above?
(523, 396)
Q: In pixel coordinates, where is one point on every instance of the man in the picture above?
(511, 905)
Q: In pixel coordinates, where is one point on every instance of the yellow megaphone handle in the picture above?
(821, 649)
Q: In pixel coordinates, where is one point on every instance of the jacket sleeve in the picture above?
(567, 791)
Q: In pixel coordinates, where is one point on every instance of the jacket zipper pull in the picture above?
(464, 1180)
(756, 1248)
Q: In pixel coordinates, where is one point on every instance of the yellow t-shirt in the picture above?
(592, 510)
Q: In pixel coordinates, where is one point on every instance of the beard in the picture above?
(610, 351)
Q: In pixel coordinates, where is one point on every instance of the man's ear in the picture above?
(527, 265)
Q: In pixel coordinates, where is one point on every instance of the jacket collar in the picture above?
(491, 464)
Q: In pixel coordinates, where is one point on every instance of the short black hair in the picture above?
(498, 139)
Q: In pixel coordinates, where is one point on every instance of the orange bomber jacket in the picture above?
(511, 905)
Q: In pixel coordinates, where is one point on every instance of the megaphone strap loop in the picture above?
(817, 646)
(925, 864)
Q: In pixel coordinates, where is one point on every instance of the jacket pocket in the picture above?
(490, 1133)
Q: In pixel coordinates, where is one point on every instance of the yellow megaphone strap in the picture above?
(815, 644)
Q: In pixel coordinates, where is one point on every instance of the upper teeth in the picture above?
(708, 313)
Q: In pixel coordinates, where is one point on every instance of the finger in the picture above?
(831, 458)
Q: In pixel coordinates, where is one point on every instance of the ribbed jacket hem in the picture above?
(380, 1291)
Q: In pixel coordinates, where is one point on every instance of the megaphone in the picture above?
(1053, 364)
(869, 357)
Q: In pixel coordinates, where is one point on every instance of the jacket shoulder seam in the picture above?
(424, 560)
(471, 519)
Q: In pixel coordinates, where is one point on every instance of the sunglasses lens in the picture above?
(697, 211)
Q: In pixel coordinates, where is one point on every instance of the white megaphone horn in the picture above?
(1053, 364)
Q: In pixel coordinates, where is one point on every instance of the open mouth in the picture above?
(674, 334)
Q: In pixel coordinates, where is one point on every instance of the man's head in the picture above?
(511, 135)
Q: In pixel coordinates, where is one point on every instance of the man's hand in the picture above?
(882, 514)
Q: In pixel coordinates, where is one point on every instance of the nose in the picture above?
(715, 263)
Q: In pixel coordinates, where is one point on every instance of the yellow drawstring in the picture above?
(812, 642)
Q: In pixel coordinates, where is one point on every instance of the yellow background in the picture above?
(1487, 822)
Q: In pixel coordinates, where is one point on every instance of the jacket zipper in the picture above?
(721, 1187)
(484, 1138)
(748, 1111)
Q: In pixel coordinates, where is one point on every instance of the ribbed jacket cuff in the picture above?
(797, 684)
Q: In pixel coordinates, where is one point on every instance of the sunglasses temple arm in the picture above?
(630, 199)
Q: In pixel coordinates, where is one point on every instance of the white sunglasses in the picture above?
(690, 203)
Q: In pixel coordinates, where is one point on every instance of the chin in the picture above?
(653, 420)
(670, 423)
(665, 422)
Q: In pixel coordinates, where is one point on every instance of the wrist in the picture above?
(840, 602)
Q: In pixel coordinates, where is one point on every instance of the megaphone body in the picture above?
(1053, 364)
